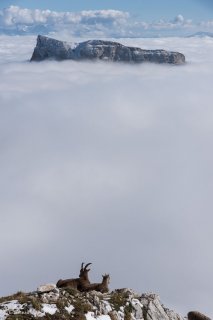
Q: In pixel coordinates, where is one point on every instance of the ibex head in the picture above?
(106, 278)
(84, 271)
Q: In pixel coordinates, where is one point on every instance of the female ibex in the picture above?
(77, 283)
(101, 287)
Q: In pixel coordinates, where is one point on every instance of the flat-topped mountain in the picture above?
(48, 48)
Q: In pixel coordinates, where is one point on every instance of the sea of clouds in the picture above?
(110, 164)
(113, 23)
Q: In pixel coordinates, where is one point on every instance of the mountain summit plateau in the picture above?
(48, 48)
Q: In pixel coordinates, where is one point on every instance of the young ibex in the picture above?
(195, 315)
(101, 287)
(77, 283)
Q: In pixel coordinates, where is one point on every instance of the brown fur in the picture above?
(195, 315)
(83, 277)
(77, 283)
(72, 283)
(101, 287)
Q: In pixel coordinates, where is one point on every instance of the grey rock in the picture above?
(117, 305)
(154, 310)
(48, 48)
(172, 314)
(137, 309)
(46, 288)
(50, 297)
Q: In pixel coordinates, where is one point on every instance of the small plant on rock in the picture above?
(118, 300)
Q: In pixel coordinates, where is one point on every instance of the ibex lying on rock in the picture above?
(78, 283)
(101, 287)
(195, 315)
(83, 276)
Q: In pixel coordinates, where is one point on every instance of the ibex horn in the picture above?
(85, 268)
(82, 265)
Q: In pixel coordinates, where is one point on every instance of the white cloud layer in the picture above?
(16, 20)
(110, 164)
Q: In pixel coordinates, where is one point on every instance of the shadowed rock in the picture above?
(48, 48)
(195, 315)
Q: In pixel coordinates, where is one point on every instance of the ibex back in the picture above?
(195, 315)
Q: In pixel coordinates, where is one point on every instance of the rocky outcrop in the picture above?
(46, 288)
(48, 48)
(67, 303)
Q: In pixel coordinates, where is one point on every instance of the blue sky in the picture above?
(107, 18)
(146, 9)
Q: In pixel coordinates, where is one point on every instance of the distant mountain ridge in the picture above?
(202, 34)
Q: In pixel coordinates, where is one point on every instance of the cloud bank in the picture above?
(110, 164)
(102, 23)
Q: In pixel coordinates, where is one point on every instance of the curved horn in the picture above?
(87, 265)
(82, 265)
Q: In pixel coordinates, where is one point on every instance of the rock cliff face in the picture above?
(48, 48)
(53, 303)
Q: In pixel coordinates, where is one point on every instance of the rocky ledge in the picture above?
(48, 48)
(68, 303)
